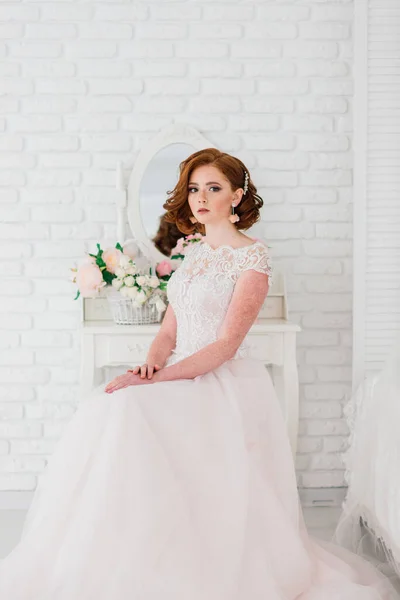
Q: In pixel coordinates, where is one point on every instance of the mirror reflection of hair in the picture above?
(167, 236)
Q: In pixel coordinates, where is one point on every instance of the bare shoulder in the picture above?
(247, 241)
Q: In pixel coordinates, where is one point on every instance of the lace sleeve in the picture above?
(257, 258)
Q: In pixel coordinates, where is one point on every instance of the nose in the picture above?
(202, 196)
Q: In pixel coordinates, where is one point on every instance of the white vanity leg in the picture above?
(286, 382)
(87, 364)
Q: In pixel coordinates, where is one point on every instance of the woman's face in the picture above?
(210, 195)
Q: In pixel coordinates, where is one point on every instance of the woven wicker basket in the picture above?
(125, 313)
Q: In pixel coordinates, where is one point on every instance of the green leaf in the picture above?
(119, 247)
(108, 277)
(77, 295)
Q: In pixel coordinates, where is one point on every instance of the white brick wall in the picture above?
(84, 85)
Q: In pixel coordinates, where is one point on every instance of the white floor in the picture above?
(321, 522)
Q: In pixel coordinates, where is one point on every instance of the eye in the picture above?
(212, 187)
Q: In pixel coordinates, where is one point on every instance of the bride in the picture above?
(175, 481)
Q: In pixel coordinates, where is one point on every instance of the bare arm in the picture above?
(157, 355)
(250, 292)
(165, 340)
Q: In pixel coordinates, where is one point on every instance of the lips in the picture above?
(203, 210)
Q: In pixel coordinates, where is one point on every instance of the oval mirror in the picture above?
(156, 172)
(160, 177)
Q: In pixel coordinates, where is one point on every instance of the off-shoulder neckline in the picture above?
(204, 243)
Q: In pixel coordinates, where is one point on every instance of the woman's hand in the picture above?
(146, 370)
(125, 380)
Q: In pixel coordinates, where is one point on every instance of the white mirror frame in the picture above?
(172, 134)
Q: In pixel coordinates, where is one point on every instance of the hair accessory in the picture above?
(246, 182)
(233, 218)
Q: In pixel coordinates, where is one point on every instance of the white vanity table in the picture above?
(272, 338)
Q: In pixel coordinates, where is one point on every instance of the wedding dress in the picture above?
(184, 489)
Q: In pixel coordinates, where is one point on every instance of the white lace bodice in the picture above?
(201, 288)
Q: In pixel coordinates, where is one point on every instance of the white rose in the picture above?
(132, 292)
(124, 291)
(117, 283)
(130, 248)
(141, 280)
(124, 261)
(141, 297)
(154, 281)
(131, 270)
(119, 272)
(129, 281)
(142, 263)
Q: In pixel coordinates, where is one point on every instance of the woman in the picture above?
(176, 481)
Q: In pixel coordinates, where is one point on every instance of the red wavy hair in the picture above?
(177, 205)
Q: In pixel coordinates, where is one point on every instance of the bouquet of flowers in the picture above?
(117, 267)
(178, 252)
(135, 292)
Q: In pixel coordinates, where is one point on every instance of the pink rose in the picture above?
(164, 268)
(89, 279)
(111, 257)
(178, 248)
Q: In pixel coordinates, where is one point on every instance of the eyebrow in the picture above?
(208, 183)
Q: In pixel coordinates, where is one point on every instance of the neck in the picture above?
(221, 233)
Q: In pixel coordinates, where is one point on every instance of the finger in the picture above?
(109, 385)
(134, 370)
(116, 383)
(117, 387)
(157, 367)
(143, 370)
(150, 372)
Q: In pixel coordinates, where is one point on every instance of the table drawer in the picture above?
(130, 350)
(122, 350)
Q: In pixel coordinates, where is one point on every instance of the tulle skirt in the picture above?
(181, 490)
(370, 521)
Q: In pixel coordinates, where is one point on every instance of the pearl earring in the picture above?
(233, 217)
